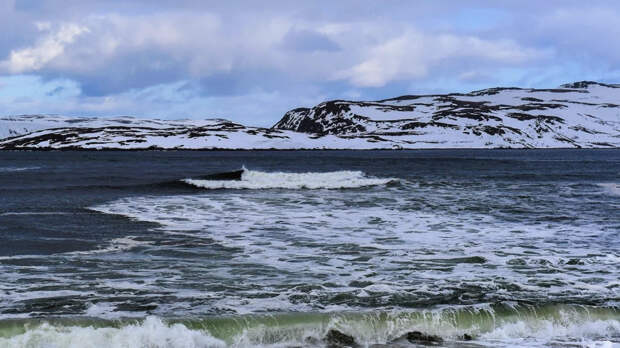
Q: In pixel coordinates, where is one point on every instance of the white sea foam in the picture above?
(248, 251)
(152, 333)
(18, 257)
(543, 333)
(526, 329)
(100, 310)
(252, 179)
(114, 245)
(379, 237)
(611, 188)
(38, 294)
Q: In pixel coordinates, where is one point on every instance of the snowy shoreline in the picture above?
(579, 115)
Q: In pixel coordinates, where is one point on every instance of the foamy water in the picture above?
(394, 246)
(507, 327)
(115, 245)
(256, 180)
(152, 333)
(280, 257)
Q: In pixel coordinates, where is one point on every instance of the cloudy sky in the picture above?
(251, 61)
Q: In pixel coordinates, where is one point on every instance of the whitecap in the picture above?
(252, 179)
(543, 332)
(152, 333)
(610, 188)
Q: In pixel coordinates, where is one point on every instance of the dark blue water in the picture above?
(112, 235)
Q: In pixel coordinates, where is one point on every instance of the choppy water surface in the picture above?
(511, 247)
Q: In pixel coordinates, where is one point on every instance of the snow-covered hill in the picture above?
(582, 114)
(11, 126)
(61, 132)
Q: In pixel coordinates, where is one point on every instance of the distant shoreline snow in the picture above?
(579, 115)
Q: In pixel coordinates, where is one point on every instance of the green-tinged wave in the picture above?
(495, 325)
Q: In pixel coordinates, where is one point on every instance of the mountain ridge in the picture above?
(574, 115)
(567, 116)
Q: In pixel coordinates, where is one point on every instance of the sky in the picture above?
(251, 61)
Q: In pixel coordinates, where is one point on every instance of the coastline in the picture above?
(112, 149)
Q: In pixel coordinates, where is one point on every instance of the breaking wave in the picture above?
(252, 179)
(491, 325)
(152, 333)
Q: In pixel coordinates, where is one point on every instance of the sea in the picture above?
(449, 248)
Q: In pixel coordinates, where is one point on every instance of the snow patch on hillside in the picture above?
(580, 114)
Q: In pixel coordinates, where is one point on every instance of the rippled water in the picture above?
(512, 247)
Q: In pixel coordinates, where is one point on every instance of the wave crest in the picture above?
(492, 325)
(152, 333)
(252, 179)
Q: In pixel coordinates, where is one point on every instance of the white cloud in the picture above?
(42, 26)
(45, 50)
(196, 44)
(235, 51)
(414, 54)
(171, 46)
